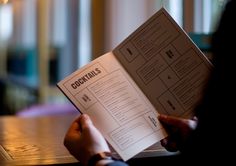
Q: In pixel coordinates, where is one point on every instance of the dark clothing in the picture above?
(117, 163)
(213, 137)
(214, 140)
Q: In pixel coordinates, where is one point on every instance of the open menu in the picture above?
(156, 69)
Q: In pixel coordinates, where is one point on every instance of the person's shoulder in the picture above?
(231, 4)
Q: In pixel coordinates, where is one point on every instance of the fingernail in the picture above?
(161, 116)
(86, 117)
(164, 142)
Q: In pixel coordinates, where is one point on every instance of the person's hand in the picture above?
(83, 139)
(179, 130)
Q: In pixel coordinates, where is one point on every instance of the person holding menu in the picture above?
(206, 137)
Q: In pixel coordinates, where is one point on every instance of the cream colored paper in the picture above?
(157, 69)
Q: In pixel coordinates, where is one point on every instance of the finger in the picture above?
(164, 142)
(169, 145)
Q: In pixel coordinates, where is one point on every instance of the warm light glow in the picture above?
(3, 1)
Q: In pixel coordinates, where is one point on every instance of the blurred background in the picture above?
(43, 41)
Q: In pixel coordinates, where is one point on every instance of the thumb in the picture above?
(170, 121)
(85, 121)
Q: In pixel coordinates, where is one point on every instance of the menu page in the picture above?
(118, 108)
(167, 66)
